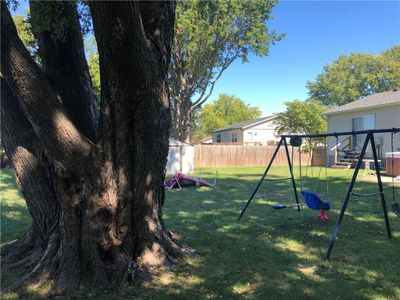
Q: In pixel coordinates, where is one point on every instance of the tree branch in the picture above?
(63, 144)
(63, 61)
(23, 149)
(201, 100)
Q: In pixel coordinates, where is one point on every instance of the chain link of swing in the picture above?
(304, 179)
(395, 205)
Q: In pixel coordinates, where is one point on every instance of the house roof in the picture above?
(246, 124)
(373, 101)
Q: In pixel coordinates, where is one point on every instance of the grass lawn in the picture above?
(265, 255)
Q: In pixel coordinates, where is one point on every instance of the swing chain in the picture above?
(392, 164)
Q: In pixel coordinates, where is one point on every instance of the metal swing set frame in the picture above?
(369, 139)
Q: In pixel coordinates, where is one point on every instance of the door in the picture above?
(362, 123)
(357, 125)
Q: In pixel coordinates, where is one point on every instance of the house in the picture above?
(254, 132)
(377, 111)
(180, 158)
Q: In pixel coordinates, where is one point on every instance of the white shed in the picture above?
(180, 157)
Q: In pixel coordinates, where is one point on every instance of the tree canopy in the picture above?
(301, 117)
(93, 64)
(25, 33)
(226, 110)
(357, 75)
(209, 36)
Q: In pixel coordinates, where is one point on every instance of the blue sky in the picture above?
(317, 32)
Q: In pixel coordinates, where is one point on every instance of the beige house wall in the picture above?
(259, 134)
(385, 117)
(226, 136)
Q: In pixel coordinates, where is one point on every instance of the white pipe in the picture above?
(334, 147)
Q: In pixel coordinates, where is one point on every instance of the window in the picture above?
(369, 122)
(218, 138)
(234, 137)
(362, 123)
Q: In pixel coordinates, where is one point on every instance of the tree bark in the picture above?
(181, 102)
(63, 152)
(23, 149)
(63, 61)
(184, 119)
(96, 208)
(134, 92)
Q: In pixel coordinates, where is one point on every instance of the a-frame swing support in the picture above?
(369, 139)
(281, 141)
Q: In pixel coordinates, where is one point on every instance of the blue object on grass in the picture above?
(313, 201)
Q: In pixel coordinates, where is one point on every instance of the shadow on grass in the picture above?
(266, 255)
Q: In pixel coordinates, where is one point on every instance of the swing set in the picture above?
(312, 199)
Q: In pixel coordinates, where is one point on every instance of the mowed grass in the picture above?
(15, 218)
(266, 255)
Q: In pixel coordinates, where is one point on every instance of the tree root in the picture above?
(36, 270)
(130, 274)
(29, 260)
(15, 250)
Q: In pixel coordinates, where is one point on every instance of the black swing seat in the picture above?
(396, 208)
(313, 201)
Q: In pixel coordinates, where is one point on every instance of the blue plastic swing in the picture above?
(313, 201)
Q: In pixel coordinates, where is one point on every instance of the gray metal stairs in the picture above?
(347, 161)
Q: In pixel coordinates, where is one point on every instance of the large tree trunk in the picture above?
(182, 118)
(185, 120)
(63, 61)
(181, 102)
(32, 179)
(134, 92)
(96, 208)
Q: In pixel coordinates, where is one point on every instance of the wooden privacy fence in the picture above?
(319, 157)
(242, 155)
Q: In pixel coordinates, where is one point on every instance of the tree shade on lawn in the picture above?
(267, 256)
(92, 186)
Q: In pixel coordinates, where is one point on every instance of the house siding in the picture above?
(261, 133)
(226, 136)
(386, 117)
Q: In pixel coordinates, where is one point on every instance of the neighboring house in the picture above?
(257, 132)
(378, 111)
(180, 158)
